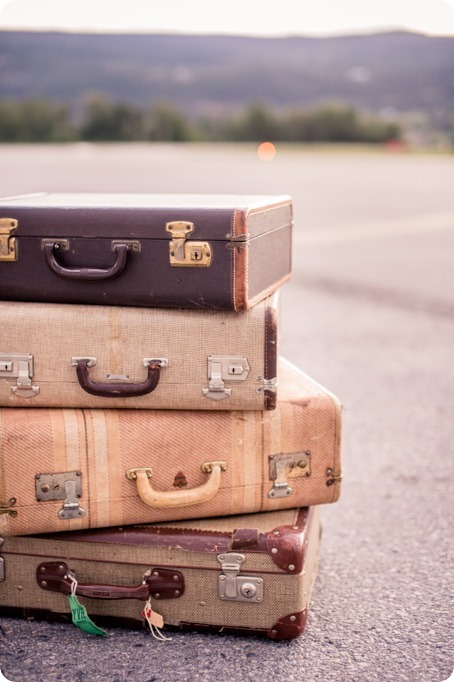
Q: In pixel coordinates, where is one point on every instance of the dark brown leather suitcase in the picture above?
(250, 574)
(173, 251)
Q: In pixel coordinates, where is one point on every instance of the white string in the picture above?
(74, 584)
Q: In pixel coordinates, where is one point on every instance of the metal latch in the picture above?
(234, 587)
(2, 564)
(5, 507)
(182, 253)
(67, 487)
(284, 467)
(223, 368)
(19, 366)
(8, 245)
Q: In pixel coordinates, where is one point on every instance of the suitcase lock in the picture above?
(190, 254)
(234, 587)
(66, 487)
(19, 366)
(8, 245)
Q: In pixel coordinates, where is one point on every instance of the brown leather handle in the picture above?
(87, 274)
(117, 389)
(160, 583)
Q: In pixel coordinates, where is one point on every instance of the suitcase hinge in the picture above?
(223, 368)
(19, 366)
(190, 254)
(8, 244)
(66, 487)
(284, 467)
(2, 564)
(234, 587)
(267, 384)
(5, 507)
(333, 477)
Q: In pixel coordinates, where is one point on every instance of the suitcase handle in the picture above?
(50, 247)
(118, 389)
(177, 498)
(160, 583)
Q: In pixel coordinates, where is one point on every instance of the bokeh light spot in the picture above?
(266, 151)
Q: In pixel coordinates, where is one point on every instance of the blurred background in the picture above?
(349, 108)
(307, 72)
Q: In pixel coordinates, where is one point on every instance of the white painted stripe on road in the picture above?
(425, 223)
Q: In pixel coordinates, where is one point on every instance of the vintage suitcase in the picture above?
(60, 355)
(174, 251)
(242, 574)
(67, 469)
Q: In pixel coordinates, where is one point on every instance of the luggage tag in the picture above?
(79, 614)
(155, 621)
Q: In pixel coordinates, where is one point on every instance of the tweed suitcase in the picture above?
(62, 355)
(68, 469)
(174, 251)
(249, 574)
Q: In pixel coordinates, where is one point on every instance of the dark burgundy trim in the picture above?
(187, 538)
(271, 338)
(289, 627)
(288, 543)
(246, 539)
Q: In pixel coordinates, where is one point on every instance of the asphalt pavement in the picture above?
(369, 313)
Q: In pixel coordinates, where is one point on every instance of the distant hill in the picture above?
(399, 71)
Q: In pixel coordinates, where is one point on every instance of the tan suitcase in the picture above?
(66, 469)
(248, 574)
(56, 355)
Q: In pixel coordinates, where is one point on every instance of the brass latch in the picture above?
(8, 246)
(187, 254)
(284, 467)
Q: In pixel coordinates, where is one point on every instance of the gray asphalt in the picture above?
(369, 313)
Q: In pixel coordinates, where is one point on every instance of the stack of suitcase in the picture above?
(154, 446)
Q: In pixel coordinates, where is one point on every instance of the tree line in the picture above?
(41, 120)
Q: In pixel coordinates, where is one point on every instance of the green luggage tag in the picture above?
(79, 614)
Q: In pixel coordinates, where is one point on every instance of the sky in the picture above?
(240, 17)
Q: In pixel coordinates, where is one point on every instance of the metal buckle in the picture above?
(66, 487)
(19, 366)
(223, 368)
(284, 467)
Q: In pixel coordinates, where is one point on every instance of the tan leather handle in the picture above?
(177, 498)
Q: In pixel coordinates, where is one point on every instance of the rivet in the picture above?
(292, 618)
(222, 577)
(61, 567)
(239, 558)
(177, 592)
(175, 577)
(258, 599)
(43, 584)
(202, 603)
(155, 572)
(295, 527)
(302, 464)
(42, 569)
(291, 567)
(275, 532)
(37, 477)
(157, 595)
(274, 550)
(45, 488)
(274, 632)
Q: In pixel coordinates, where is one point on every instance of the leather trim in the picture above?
(290, 542)
(289, 627)
(239, 261)
(271, 350)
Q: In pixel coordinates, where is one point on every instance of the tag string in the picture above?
(74, 583)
